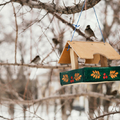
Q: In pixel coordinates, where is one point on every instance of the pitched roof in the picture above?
(90, 51)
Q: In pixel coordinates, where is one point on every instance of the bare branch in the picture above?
(47, 66)
(4, 118)
(67, 10)
(69, 24)
(5, 3)
(65, 96)
(48, 54)
(52, 8)
(110, 113)
(11, 91)
(16, 33)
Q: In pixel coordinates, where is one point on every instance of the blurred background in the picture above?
(27, 31)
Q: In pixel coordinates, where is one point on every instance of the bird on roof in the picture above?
(36, 59)
(89, 32)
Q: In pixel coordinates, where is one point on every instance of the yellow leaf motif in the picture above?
(96, 74)
(113, 74)
(65, 78)
(77, 76)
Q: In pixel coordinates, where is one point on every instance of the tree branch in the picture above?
(69, 24)
(5, 3)
(110, 113)
(66, 96)
(16, 33)
(52, 8)
(47, 66)
(4, 118)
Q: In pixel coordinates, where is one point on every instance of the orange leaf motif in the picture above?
(65, 78)
(113, 74)
(77, 76)
(96, 74)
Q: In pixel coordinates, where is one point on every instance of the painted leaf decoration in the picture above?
(113, 74)
(77, 76)
(65, 78)
(96, 74)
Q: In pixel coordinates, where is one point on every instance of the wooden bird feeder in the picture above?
(92, 52)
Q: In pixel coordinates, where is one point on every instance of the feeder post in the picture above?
(74, 59)
(103, 61)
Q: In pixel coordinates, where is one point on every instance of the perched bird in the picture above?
(36, 59)
(31, 0)
(55, 41)
(78, 108)
(89, 32)
(114, 93)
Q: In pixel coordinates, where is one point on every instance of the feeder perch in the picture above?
(93, 53)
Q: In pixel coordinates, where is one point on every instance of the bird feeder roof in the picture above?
(90, 51)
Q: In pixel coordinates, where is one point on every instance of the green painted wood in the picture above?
(87, 75)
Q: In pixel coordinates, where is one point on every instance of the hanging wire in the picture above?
(76, 25)
(99, 24)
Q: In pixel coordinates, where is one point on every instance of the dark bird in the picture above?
(78, 108)
(89, 32)
(114, 93)
(36, 59)
(55, 41)
(31, 0)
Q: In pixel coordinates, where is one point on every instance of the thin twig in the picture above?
(16, 32)
(5, 3)
(49, 41)
(110, 113)
(48, 54)
(32, 23)
(26, 88)
(4, 118)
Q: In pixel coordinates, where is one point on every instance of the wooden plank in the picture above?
(87, 50)
(65, 56)
(103, 61)
(95, 60)
(74, 59)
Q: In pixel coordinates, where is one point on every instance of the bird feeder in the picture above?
(93, 53)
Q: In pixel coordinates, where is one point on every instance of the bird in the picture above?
(36, 59)
(114, 93)
(31, 0)
(55, 41)
(78, 108)
(89, 32)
